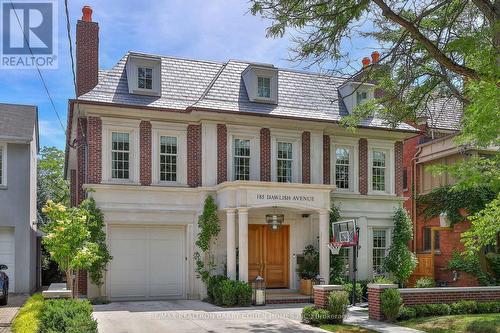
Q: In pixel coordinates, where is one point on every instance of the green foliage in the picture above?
(314, 316)
(309, 267)
(485, 226)
(337, 264)
(406, 313)
(97, 235)
(70, 316)
(383, 280)
(209, 226)
(493, 260)
(337, 306)
(222, 291)
(439, 309)
(463, 307)
(470, 265)
(28, 317)
(400, 261)
(482, 327)
(390, 303)
(488, 307)
(451, 200)
(51, 184)
(359, 290)
(425, 282)
(212, 288)
(456, 308)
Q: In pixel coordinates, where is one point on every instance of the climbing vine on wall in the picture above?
(209, 228)
(451, 200)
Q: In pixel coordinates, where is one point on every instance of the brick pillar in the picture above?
(81, 276)
(87, 55)
(265, 155)
(363, 166)
(194, 155)
(326, 159)
(221, 153)
(95, 150)
(374, 291)
(81, 172)
(398, 167)
(321, 293)
(306, 157)
(72, 191)
(145, 145)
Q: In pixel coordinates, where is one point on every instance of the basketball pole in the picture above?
(354, 266)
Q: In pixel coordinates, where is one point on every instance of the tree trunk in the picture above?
(69, 281)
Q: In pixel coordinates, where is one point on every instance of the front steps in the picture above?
(286, 296)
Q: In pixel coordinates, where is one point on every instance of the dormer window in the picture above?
(361, 97)
(145, 78)
(264, 87)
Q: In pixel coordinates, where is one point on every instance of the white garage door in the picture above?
(7, 254)
(148, 262)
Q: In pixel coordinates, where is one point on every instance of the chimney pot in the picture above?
(365, 61)
(87, 14)
(375, 57)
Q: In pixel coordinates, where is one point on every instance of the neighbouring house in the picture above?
(153, 136)
(18, 161)
(435, 239)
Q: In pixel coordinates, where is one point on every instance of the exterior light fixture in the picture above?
(275, 221)
(259, 291)
(443, 220)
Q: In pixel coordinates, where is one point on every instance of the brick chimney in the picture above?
(87, 52)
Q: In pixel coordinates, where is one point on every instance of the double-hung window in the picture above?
(120, 155)
(241, 159)
(361, 96)
(427, 239)
(342, 167)
(168, 158)
(379, 250)
(379, 170)
(264, 87)
(145, 78)
(284, 162)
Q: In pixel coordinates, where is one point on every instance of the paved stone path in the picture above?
(359, 316)
(9, 311)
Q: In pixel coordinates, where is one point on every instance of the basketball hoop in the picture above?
(335, 247)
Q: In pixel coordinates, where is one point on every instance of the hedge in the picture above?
(457, 308)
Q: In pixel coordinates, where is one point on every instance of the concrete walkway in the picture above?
(8, 312)
(359, 316)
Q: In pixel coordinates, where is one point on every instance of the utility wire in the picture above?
(38, 69)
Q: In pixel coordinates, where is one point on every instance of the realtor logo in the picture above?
(29, 31)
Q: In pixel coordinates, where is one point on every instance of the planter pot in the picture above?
(306, 287)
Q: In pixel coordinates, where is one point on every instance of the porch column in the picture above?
(243, 243)
(324, 255)
(231, 244)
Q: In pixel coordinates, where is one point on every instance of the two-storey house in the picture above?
(153, 136)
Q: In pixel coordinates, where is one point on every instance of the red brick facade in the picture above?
(398, 168)
(81, 131)
(145, 138)
(326, 159)
(374, 310)
(72, 190)
(437, 295)
(265, 155)
(81, 278)
(321, 293)
(221, 153)
(363, 166)
(306, 157)
(194, 155)
(95, 150)
(87, 56)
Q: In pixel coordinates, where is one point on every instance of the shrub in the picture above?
(382, 279)
(482, 326)
(314, 316)
(407, 312)
(28, 318)
(390, 303)
(359, 291)
(337, 306)
(488, 307)
(425, 282)
(438, 309)
(309, 267)
(222, 291)
(228, 293)
(70, 316)
(212, 284)
(463, 307)
(421, 310)
(243, 293)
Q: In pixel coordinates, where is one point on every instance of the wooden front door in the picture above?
(268, 254)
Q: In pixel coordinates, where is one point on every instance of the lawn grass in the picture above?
(28, 317)
(478, 323)
(343, 328)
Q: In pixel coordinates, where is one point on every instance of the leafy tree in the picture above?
(431, 49)
(68, 239)
(51, 184)
(400, 261)
(209, 226)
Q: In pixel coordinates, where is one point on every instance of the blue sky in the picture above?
(200, 29)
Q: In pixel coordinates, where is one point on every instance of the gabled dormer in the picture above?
(144, 74)
(356, 93)
(261, 83)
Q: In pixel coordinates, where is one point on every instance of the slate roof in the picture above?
(219, 86)
(443, 113)
(18, 122)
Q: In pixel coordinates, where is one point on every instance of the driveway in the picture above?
(186, 316)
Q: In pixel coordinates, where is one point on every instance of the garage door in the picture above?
(7, 254)
(148, 263)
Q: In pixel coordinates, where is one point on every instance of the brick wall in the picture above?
(194, 155)
(326, 159)
(398, 167)
(87, 56)
(374, 291)
(416, 296)
(145, 145)
(221, 153)
(306, 157)
(95, 150)
(80, 171)
(81, 277)
(321, 293)
(72, 188)
(363, 166)
(265, 155)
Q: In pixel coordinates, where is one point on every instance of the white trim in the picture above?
(247, 133)
(388, 148)
(448, 289)
(180, 132)
(3, 181)
(296, 140)
(133, 64)
(370, 244)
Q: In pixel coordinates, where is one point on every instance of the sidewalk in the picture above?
(8, 312)
(359, 316)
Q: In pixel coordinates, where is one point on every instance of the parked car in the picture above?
(4, 285)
